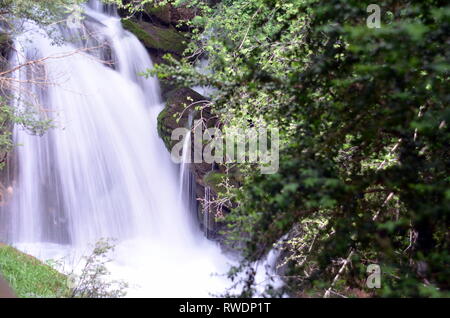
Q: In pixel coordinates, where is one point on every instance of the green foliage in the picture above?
(29, 277)
(364, 124)
(166, 39)
(43, 12)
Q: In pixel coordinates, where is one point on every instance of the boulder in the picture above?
(175, 116)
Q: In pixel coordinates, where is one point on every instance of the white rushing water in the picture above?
(103, 172)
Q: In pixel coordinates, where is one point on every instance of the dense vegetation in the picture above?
(363, 114)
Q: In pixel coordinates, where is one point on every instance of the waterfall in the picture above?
(102, 171)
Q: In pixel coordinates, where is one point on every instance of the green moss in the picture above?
(28, 276)
(155, 37)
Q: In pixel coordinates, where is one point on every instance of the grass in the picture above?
(28, 276)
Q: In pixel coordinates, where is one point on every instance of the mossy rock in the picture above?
(214, 180)
(162, 13)
(156, 37)
(28, 276)
(210, 224)
(169, 118)
(163, 131)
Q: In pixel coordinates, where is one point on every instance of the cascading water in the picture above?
(103, 171)
(187, 182)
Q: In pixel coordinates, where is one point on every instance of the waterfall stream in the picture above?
(102, 172)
